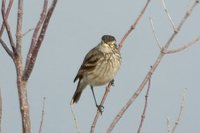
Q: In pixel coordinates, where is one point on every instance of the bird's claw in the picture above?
(112, 82)
(100, 108)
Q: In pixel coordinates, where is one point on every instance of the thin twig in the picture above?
(102, 103)
(185, 46)
(6, 16)
(4, 45)
(34, 49)
(154, 33)
(168, 126)
(42, 116)
(109, 86)
(167, 12)
(134, 24)
(1, 108)
(180, 112)
(152, 70)
(29, 30)
(145, 106)
(75, 118)
(7, 26)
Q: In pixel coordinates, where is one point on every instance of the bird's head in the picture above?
(108, 43)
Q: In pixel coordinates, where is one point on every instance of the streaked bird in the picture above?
(99, 67)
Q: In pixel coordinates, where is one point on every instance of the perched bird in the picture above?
(99, 67)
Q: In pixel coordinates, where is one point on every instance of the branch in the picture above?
(152, 70)
(42, 117)
(168, 126)
(75, 118)
(29, 30)
(4, 45)
(172, 51)
(154, 33)
(1, 108)
(7, 26)
(134, 25)
(19, 33)
(108, 88)
(6, 16)
(145, 106)
(33, 52)
(9, 52)
(167, 12)
(180, 112)
(102, 103)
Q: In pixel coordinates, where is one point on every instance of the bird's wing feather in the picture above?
(89, 62)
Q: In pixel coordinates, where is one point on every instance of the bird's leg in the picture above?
(99, 107)
(112, 82)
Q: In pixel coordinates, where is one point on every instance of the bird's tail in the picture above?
(80, 87)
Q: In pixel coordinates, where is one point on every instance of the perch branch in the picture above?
(102, 103)
(134, 25)
(108, 88)
(152, 70)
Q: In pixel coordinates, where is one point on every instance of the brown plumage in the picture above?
(99, 66)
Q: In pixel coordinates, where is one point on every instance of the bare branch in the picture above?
(7, 26)
(39, 24)
(180, 111)
(154, 33)
(75, 118)
(102, 103)
(42, 117)
(168, 126)
(6, 16)
(6, 48)
(172, 51)
(152, 70)
(167, 12)
(134, 25)
(108, 88)
(32, 55)
(19, 33)
(145, 106)
(29, 30)
(1, 108)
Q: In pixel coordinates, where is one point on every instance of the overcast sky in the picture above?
(75, 28)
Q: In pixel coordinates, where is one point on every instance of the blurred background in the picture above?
(75, 28)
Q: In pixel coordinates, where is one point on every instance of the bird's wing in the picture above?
(89, 62)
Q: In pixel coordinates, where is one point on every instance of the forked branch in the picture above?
(108, 88)
(10, 36)
(152, 70)
(35, 46)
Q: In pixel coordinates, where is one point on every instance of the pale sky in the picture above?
(75, 28)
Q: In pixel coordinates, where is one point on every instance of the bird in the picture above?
(99, 67)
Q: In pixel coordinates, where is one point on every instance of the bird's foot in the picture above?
(112, 82)
(100, 108)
